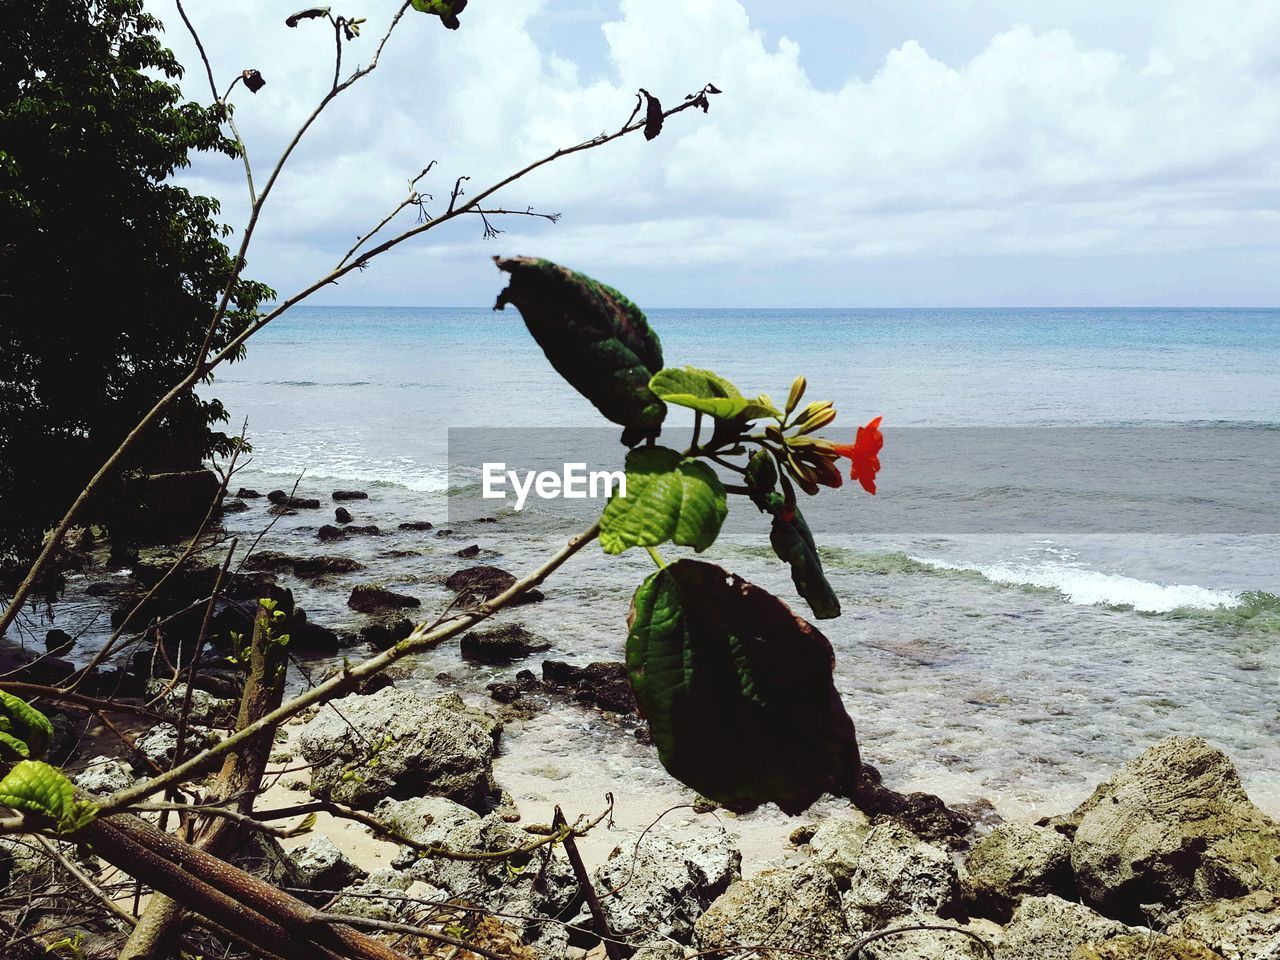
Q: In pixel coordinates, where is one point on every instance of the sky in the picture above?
(916, 153)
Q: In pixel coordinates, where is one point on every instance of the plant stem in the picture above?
(657, 558)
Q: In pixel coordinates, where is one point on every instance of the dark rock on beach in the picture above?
(234, 506)
(501, 645)
(923, 813)
(308, 567)
(244, 493)
(329, 532)
(604, 684)
(350, 495)
(342, 515)
(372, 598)
(58, 640)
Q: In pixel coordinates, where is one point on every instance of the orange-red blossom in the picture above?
(864, 454)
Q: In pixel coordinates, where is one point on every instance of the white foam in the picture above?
(1085, 587)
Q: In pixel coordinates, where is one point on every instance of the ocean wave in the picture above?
(1085, 587)
(424, 480)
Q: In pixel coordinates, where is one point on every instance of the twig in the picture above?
(588, 890)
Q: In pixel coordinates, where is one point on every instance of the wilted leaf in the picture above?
(253, 80)
(25, 732)
(311, 13)
(652, 115)
(43, 791)
(708, 393)
(668, 498)
(793, 542)
(596, 339)
(738, 691)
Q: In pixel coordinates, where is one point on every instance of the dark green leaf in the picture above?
(793, 542)
(761, 477)
(738, 691)
(311, 13)
(709, 393)
(668, 497)
(596, 338)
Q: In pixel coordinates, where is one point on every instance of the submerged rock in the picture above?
(416, 525)
(282, 499)
(500, 645)
(387, 632)
(474, 585)
(1013, 861)
(1173, 827)
(308, 567)
(396, 743)
(372, 598)
(926, 815)
(350, 495)
(342, 515)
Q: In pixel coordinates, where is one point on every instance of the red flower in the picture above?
(863, 454)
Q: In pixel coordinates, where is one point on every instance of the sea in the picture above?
(1018, 649)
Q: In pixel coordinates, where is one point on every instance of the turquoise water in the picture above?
(1016, 666)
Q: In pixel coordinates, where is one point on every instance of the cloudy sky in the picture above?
(863, 153)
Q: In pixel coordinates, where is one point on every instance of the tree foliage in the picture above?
(110, 274)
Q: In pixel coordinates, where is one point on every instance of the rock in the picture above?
(469, 553)
(206, 709)
(328, 532)
(342, 515)
(1146, 947)
(416, 525)
(794, 908)
(836, 843)
(372, 598)
(543, 887)
(946, 941)
(308, 567)
(386, 633)
(234, 506)
(281, 510)
(350, 495)
(500, 645)
(605, 684)
(244, 493)
(1013, 861)
(474, 585)
(504, 692)
(68, 731)
(396, 743)
(923, 813)
(444, 533)
(664, 883)
(320, 865)
(659, 950)
(382, 896)
(161, 743)
(102, 776)
(313, 638)
(898, 876)
(1050, 928)
(1173, 827)
(58, 641)
(282, 499)
(1246, 928)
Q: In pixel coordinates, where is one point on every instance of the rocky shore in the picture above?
(1167, 860)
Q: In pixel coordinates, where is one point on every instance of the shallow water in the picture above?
(1021, 667)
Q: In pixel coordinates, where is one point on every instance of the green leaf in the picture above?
(793, 542)
(738, 691)
(25, 732)
(596, 339)
(446, 10)
(668, 497)
(709, 393)
(761, 478)
(35, 788)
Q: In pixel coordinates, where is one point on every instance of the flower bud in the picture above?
(797, 391)
(818, 420)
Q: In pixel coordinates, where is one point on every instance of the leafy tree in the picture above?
(109, 273)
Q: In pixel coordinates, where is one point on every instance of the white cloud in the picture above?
(1040, 146)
